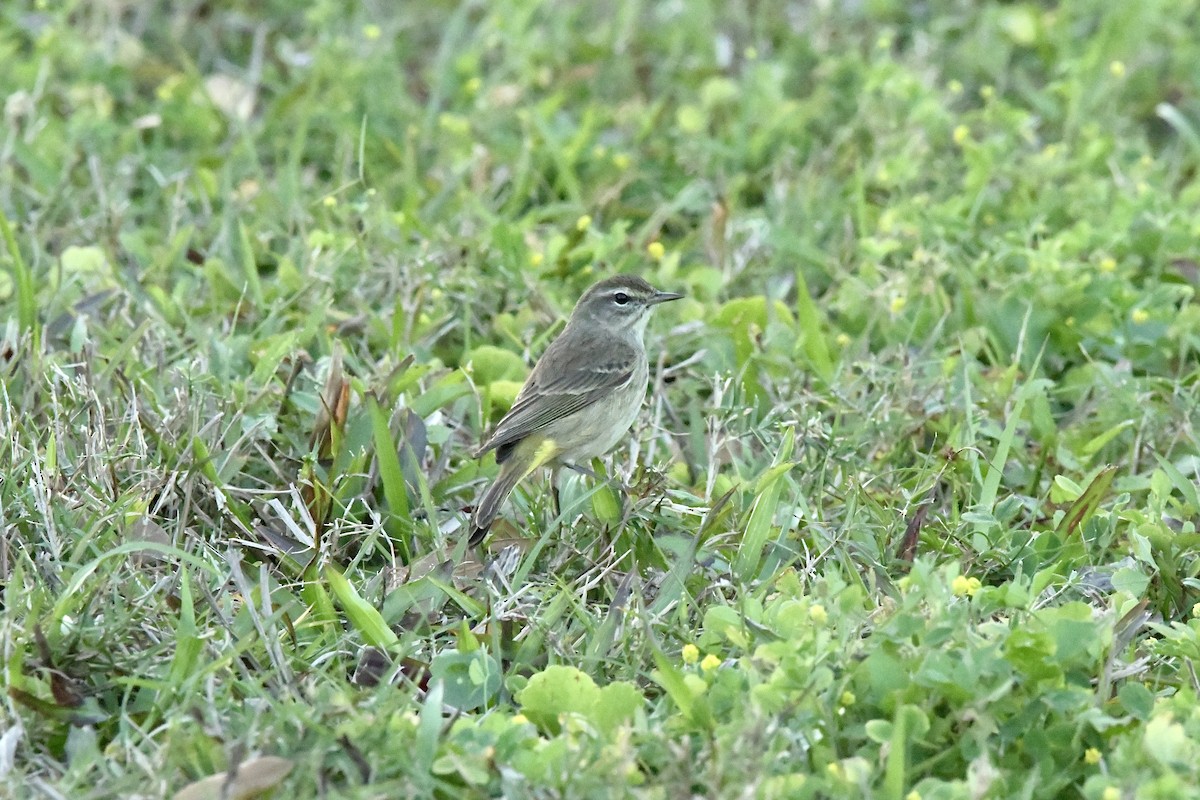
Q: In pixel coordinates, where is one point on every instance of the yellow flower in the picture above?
(842, 339)
(962, 586)
(847, 698)
(536, 258)
(656, 250)
(818, 614)
(690, 654)
(583, 223)
(372, 32)
(330, 201)
(1092, 756)
(1111, 793)
(898, 304)
(1117, 68)
(961, 134)
(710, 663)
(1139, 315)
(519, 719)
(1108, 264)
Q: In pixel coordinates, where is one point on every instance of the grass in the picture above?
(911, 512)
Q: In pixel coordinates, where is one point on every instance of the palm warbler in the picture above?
(583, 394)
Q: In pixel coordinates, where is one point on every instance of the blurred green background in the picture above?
(911, 512)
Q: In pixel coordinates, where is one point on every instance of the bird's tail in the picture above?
(526, 457)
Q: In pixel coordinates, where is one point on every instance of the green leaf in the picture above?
(747, 317)
(470, 680)
(1077, 637)
(312, 592)
(693, 706)
(727, 623)
(363, 616)
(490, 363)
(909, 724)
(1093, 445)
(879, 730)
(762, 515)
(1184, 486)
(1131, 580)
(555, 691)
(605, 505)
(429, 725)
(615, 705)
(810, 317)
(1166, 742)
(1137, 699)
(674, 584)
(445, 390)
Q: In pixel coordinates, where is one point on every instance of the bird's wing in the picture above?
(557, 388)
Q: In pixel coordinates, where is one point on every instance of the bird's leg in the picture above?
(554, 493)
(591, 473)
(582, 470)
(623, 492)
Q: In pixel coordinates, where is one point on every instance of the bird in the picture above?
(582, 395)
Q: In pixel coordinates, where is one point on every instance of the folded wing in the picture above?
(556, 389)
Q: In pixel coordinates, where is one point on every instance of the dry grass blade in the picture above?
(251, 779)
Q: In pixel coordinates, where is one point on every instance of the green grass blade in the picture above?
(762, 515)
(313, 593)
(809, 318)
(391, 476)
(362, 616)
(690, 702)
(1086, 504)
(995, 467)
(673, 584)
(23, 279)
(1186, 487)
(188, 644)
(249, 267)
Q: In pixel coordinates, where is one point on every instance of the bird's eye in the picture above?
(620, 298)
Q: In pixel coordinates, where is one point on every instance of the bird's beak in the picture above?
(662, 297)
